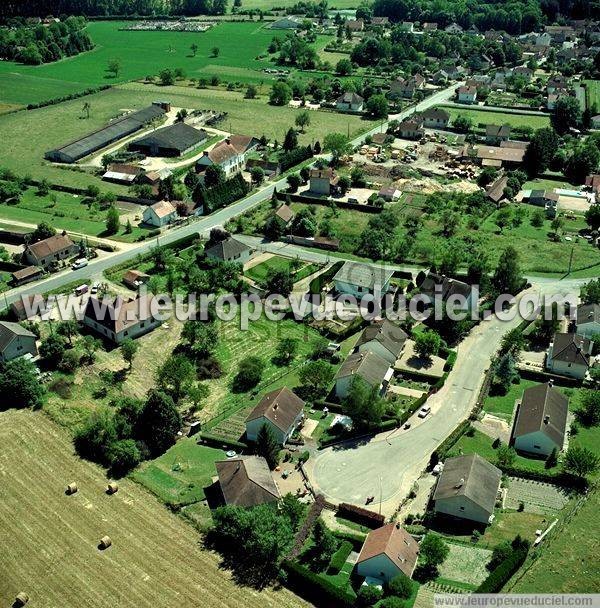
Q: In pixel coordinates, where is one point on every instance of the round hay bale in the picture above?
(71, 489)
(21, 599)
(112, 488)
(105, 542)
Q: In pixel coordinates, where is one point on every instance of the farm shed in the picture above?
(114, 131)
(174, 140)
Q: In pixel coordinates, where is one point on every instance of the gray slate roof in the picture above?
(571, 348)
(471, 476)
(9, 331)
(389, 335)
(363, 275)
(588, 313)
(447, 287)
(543, 408)
(369, 366)
(178, 136)
(229, 248)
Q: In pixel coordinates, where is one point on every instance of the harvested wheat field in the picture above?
(49, 540)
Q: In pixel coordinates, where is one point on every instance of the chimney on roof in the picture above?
(460, 483)
(551, 382)
(227, 140)
(546, 419)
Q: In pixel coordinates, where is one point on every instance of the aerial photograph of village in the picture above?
(299, 303)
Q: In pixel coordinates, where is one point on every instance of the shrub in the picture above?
(500, 576)
(401, 586)
(338, 559)
(315, 588)
(369, 595)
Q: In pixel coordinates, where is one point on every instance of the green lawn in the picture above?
(481, 444)
(498, 118)
(179, 476)
(34, 132)
(568, 561)
(141, 53)
(64, 212)
(260, 272)
(593, 87)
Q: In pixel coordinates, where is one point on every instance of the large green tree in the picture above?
(159, 422)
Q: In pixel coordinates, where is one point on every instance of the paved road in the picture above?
(497, 109)
(389, 463)
(201, 226)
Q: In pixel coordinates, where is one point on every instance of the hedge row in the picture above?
(361, 516)
(314, 588)
(450, 361)
(444, 447)
(294, 157)
(219, 441)
(338, 559)
(313, 514)
(356, 539)
(55, 100)
(501, 575)
(560, 478)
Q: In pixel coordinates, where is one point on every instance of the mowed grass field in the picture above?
(485, 117)
(141, 53)
(568, 562)
(32, 133)
(593, 96)
(49, 540)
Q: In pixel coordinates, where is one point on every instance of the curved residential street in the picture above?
(387, 465)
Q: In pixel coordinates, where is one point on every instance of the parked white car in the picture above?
(80, 263)
(424, 411)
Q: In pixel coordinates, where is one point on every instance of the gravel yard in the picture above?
(465, 564)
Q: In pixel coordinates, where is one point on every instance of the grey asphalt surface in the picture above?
(202, 226)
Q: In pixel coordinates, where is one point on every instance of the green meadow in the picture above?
(141, 54)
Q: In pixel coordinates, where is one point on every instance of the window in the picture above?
(462, 508)
(536, 447)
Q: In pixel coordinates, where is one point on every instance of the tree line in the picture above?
(107, 8)
(38, 44)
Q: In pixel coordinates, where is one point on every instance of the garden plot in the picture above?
(465, 564)
(537, 496)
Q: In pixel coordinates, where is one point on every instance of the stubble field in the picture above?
(48, 541)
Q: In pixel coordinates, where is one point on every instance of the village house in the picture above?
(453, 28)
(569, 355)
(523, 71)
(380, 21)
(593, 183)
(435, 118)
(134, 279)
(389, 194)
(49, 252)
(410, 128)
(285, 214)
(467, 488)
(229, 154)
(246, 481)
(467, 95)
(229, 250)
(350, 101)
(407, 88)
(588, 320)
(440, 77)
(440, 288)
(322, 181)
(541, 420)
(15, 341)
(387, 552)
(384, 339)
(368, 366)
(361, 279)
(120, 319)
(355, 25)
(495, 134)
(430, 27)
(281, 410)
(160, 214)
(557, 83)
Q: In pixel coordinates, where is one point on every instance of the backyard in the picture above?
(275, 263)
(488, 117)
